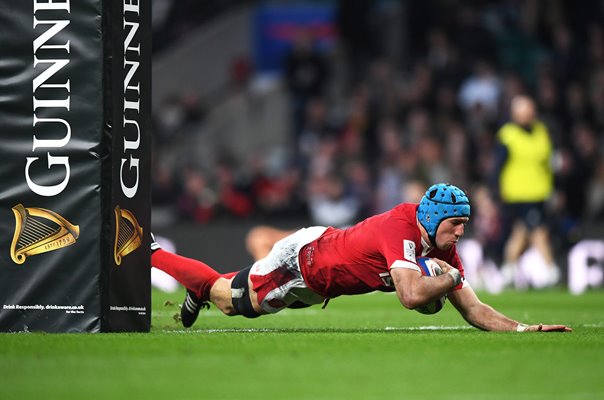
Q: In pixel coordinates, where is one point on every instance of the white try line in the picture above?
(429, 328)
(328, 330)
(348, 330)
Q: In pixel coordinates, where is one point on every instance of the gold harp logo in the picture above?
(38, 230)
(128, 234)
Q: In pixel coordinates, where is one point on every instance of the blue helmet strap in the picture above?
(432, 237)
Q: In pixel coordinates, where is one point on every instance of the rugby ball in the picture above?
(429, 267)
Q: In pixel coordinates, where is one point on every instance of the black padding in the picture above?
(243, 305)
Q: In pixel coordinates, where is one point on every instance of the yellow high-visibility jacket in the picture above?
(527, 174)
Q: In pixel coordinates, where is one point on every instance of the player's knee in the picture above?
(222, 293)
(225, 306)
(228, 310)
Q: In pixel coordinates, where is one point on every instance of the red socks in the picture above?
(193, 274)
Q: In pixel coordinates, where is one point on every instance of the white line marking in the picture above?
(327, 330)
(429, 328)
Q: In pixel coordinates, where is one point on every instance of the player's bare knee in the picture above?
(227, 309)
(220, 295)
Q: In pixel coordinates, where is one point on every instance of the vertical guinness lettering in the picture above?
(129, 167)
(51, 95)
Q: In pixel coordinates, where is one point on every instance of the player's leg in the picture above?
(236, 293)
(224, 295)
(204, 285)
(196, 276)
(276, 281)
(268, 290)
(270, 284)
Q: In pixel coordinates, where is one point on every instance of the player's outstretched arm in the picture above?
(485, 317)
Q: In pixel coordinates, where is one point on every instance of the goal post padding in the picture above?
(75, 161)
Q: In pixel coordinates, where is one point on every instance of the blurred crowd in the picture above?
(173, 19)
(395, 126)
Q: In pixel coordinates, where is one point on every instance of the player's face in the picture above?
(449, 231)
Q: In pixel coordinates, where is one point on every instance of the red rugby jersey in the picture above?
(358, 259)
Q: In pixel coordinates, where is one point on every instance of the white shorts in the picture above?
(277, 278)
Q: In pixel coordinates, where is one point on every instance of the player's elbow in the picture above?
(410, 300)
(409, 288)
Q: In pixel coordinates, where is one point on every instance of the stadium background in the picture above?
(404, 94)
(361, 347)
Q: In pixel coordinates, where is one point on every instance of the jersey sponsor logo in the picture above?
(409, 250)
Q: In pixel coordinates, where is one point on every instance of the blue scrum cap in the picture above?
(440, 202)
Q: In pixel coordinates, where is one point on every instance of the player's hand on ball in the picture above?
(548, 328)
(444, 266)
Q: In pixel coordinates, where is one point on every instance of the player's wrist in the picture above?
(456, 275)
(521, 327)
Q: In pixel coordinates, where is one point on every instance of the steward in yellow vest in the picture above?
(526, 181)
(526, 175)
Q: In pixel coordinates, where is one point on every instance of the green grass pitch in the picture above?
(359, 347)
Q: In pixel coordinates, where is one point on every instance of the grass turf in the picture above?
(360, 347)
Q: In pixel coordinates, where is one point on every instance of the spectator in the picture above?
(577, 164)
(306, 76)
(481, 92)
(329, 203)
(353, 19)
(198, 201)
(488, 224)
(316, 128)
(525, 184)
